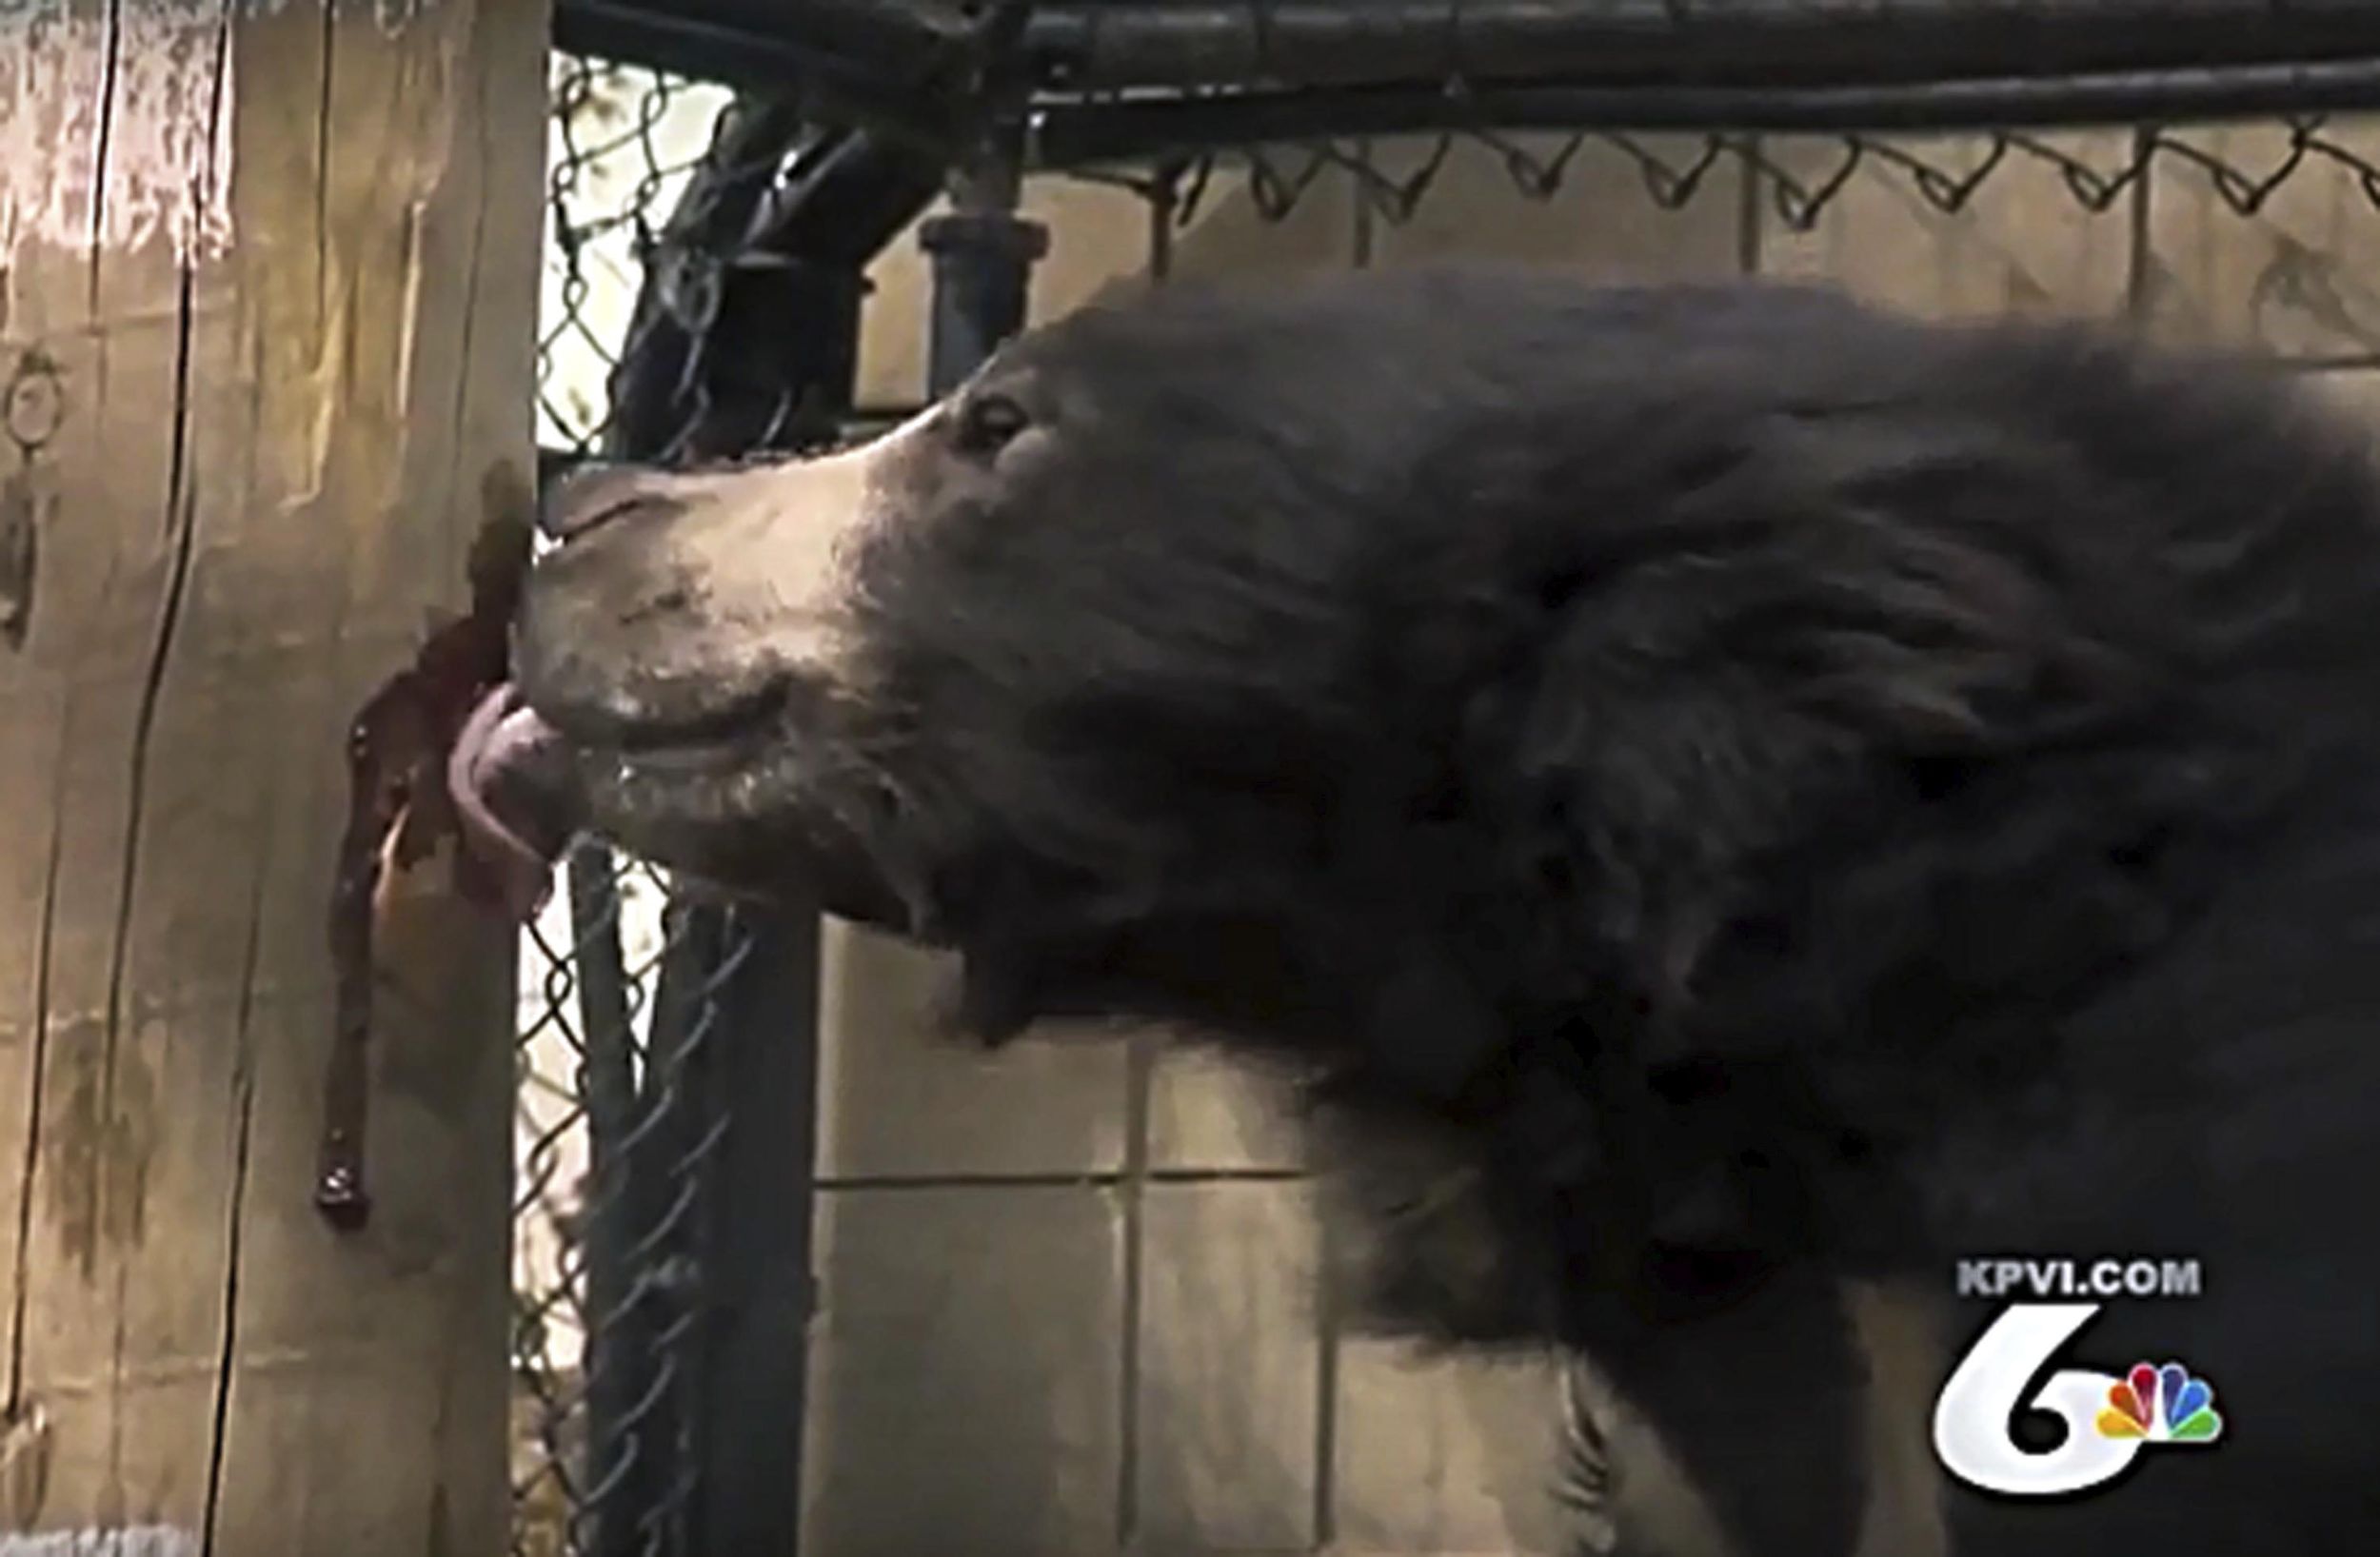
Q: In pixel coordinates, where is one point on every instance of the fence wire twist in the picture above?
(616, 1000)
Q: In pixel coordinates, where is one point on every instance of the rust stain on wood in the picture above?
(399, 814)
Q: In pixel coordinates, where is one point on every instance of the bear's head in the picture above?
(1419, 670)
(1231, 648)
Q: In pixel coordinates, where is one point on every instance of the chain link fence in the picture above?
(610, 1145)
(1536, 164)
(654, 182)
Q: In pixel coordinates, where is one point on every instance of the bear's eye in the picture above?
(989, 423)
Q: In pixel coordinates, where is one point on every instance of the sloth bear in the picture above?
(1739, 805)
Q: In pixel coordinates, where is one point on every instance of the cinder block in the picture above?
(900, 1099)
(1211, 1112)
(1445, 1454)
(965, 1373)
(1230, 1370)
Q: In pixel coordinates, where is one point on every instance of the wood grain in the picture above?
(272, 462)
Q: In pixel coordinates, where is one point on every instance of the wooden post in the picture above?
(267, 273)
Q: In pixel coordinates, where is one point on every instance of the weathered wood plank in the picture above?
(32, 707)
(114, 1365)
(426, 279)
(275, 457)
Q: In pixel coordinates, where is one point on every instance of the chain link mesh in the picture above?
(618, 979)
(615, 1000)
(1280, 177)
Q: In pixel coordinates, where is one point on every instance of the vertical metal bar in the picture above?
(662, 1159)
(1751, 220)
(612, 1364)
(761, 1067)
(983, 254)
(761, 1074)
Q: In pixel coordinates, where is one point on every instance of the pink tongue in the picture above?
(509, 825)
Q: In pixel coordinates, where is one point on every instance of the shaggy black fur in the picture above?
(1731, 792)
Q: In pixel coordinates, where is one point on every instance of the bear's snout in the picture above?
(598, 495)
(676, 603)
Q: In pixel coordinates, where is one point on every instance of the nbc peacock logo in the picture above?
(2161, 1406)
(2014, 1370)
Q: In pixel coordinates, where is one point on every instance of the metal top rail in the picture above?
(1124, 78)
(886, 50)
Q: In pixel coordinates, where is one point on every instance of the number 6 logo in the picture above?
(1972, 1418)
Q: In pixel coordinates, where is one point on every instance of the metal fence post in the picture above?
(983, 254)
(758, 1079)
(760, 1071)
(758, 1291)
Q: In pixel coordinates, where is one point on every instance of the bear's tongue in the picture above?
(511, 778)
